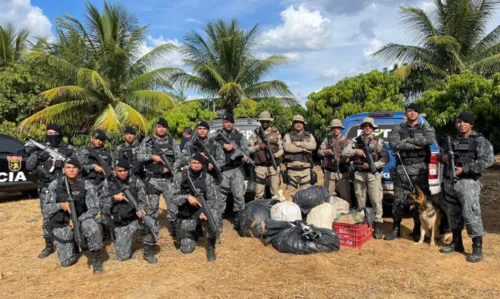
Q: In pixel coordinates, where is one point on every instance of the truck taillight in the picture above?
(434, 167)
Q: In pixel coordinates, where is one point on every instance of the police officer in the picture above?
(336, 167)
(128, 151)
(159, 178)
(48, 170)
(264, 169)
(473, 154)
(186, 136)
(188, 203)
(234, 180)
(57, 208)
(364, 180)
(122, 213)
(298, 145)
(92, 171)
(412, 141)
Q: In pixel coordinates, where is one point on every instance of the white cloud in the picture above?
(190, 20)
(374, 46)
(24, 15)
(330, 73)
(428, 6)
(172, 59)
(302, 30)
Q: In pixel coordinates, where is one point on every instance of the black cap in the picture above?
(198, 157)
(162, 122)
(123, 163)
(54, 127)
(467, 117)
(73, 161)
(187, 130)
(129, 130)
(99, 134)
(204, 124)
(414, 106)
(229, 117)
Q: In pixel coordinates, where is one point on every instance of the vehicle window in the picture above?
(10, 145)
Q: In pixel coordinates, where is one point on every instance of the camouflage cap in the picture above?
(370, 121)
(265, 116)
(300, 118)
(336, 123)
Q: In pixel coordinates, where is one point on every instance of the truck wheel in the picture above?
(32, 194)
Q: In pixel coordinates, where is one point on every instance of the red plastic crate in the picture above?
(352, 235)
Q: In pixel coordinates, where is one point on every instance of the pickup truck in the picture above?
(386, 121)
(13, 174)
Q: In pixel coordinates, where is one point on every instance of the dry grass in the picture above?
(245, 268)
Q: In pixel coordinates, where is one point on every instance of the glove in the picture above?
(44, 156)
(262, 146)
(59, 164)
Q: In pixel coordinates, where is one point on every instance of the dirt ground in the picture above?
(245, 268)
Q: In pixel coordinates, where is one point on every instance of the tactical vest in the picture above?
(186, 210)
(417, 155)
(167, 146)
(122, 212)
(128, 153)
(209, 145)
(332, 163)
(235, 137)
(47, 163)
(261, 157)
(465, 151)
(61, 218)
(299, 157)
(372, 145)
(105, 155)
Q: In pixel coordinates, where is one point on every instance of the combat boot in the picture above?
(456, 244)
(416, 232)
(377, 231)
(237, 221)
(396, 227)
(148, 254)
(477, 250)
(96, 262)
(211, 250)
(48, 250)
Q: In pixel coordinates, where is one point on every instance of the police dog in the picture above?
(430, 216)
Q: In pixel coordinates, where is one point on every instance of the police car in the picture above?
(13, 174)
(246, 126)
(386, 121)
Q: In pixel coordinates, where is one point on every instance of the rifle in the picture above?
(108, 174)
(74, 216)
(451, 161)
(210, 158)
(368, 155)
(162, 155)
(53, 153)
(237, 149)
(212, 225)
(268, 147)
(404, 169)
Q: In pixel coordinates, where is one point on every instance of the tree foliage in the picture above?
(12, 44)
(186, 114)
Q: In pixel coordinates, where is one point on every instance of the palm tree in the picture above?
(98, 75)
(12, 44)
(225, 67)
(455, 42)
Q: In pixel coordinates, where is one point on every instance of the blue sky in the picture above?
(326, 40)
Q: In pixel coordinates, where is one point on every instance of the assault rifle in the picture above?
(212, 225)
(53, 153)
(368, 155)
(268, 147)
(451, 161)
(195, 140)
(404, 169)
(74, 216)
(236, 148)
(108, 174)
(159, 152)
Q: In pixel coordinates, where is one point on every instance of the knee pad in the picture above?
(187, 245)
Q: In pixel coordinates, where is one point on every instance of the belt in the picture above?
(341, 168)
(265, 164)
(297, 168)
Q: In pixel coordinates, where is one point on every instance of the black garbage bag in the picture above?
(299, 238)
(253, 217)
(309, 198)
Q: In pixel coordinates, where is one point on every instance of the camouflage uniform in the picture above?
(43, 163)
(214, 148)
(188, 219)
(158, 183)
(264, 169)
(123, 214)
(298, 159)
(336, 167)
(234, 179)
(364, 181)
(87, 202)
(416, 162)
(129, 153)
(89, 163)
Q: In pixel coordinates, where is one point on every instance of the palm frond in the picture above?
(395, 53)
(67, 93)
(150, 102)
(63, 67)
(130, 116)
(155, 79)
(418, 24)
(268, 89)
(149, 60)
(93, 81)
(256, 69)
(108, 120)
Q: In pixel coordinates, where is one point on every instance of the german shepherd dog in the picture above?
(430, 216)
